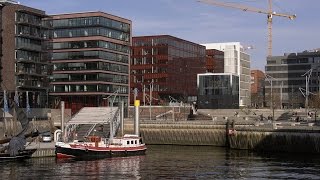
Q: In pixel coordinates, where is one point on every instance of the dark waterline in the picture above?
(172, 162)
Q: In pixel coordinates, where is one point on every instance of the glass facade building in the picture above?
(237, 62)
(288, 79)
(91, 53)
(25, 57)
(167, 66)
(218, 91)
(214, 61)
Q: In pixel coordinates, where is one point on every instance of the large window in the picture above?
(106, 88)
(91, 66)
(114, 34)
(91, 44)
(91, 55)
(22, 55)
(30, 44)
(28, 18)
(28, 30)
(113, 78)
(91, 21)
(218, 92)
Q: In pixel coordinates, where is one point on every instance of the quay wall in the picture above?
(277, 141)
(246, 137)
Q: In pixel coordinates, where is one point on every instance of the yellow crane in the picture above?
(268, 12)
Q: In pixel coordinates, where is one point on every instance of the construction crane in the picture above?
(268, 12)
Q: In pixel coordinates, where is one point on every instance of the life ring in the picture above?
(232, 132)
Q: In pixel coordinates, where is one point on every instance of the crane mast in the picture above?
(269, 16)
(268, 12)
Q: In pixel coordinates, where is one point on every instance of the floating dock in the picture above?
(43, 149)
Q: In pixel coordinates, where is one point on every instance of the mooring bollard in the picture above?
(227, 133)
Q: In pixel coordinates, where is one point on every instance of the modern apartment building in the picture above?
(288, 76)
(237, 62)
(167, 66)
(91, 53)
(257, 88)
(214, 61)
(25, 59)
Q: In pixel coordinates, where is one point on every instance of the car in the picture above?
(46, 137)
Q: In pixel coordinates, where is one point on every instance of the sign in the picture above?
(137, 103)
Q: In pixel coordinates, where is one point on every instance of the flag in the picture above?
(28, 105)
(16, 98)
(5, 102)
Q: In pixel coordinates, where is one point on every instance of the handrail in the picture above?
(90, 130)
(116, 124)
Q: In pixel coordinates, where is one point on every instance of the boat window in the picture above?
(140, 140)
(135, 142)
(131, 142)
(128, 142)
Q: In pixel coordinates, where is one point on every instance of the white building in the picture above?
(236, 61)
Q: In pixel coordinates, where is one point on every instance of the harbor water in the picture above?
(172, 162)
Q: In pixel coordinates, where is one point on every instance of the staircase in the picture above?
(198, 116)
(93, 121)
(99, 130)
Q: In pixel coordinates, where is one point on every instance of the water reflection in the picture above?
(172, 162)
(114, 168)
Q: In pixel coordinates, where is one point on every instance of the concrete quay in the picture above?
(248, 135)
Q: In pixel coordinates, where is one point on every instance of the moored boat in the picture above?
(97, 147)
(24, 154)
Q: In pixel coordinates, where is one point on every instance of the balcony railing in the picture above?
(29, 83)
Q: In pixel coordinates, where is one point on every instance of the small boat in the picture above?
(24, 154)
(97, 147)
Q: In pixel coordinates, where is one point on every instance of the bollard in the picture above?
(227, 133)
(136, 117)
(233, 124)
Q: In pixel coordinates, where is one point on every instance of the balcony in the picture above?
(32, 84)
(32, 72)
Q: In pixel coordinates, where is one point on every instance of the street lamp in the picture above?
(270, 79)
(151, 89)
(114, 94)
(308, 75)
(144, 93)
(281, 98)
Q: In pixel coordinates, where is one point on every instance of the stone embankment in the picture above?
(245, 135)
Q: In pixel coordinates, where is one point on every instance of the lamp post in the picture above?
(151, 89)
(308, 75)
(270, 79)
(143, 93)
(281, 94)
(114, 94)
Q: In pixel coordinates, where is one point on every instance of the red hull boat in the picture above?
(97, 147)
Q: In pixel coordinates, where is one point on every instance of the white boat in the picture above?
(97, 147)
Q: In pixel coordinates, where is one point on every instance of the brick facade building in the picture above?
(168, 66)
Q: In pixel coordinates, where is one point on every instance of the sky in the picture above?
(202, 23)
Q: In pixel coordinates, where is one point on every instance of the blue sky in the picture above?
(202, 23)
